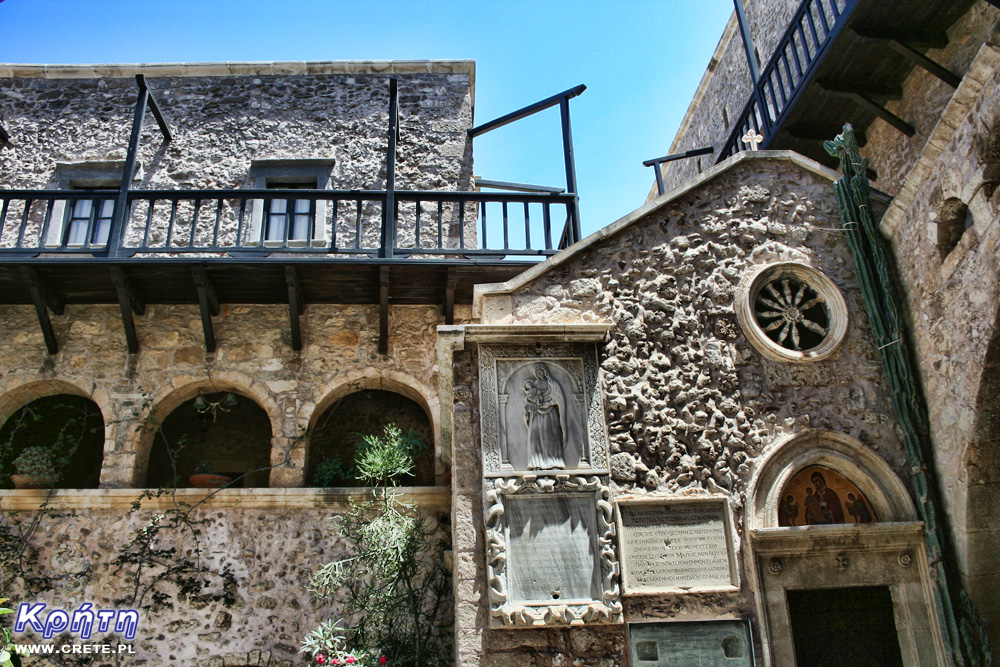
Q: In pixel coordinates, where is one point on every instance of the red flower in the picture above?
(351, 660)
(383, 660)
(321, 658)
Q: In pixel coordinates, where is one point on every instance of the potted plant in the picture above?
(204, 477)
(34, 469)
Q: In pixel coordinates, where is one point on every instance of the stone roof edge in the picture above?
(482, 290)
(91, 71)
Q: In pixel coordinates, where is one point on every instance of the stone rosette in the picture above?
(780, 295)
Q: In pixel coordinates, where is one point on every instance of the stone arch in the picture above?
(847, 456)
(384, 380)
(186, 388)
(20, 393)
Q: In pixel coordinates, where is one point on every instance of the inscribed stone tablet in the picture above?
(551, 552)
(706, 644)
(675, 544)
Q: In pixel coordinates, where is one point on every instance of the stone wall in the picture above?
(691, 405)
(224, 116)
(952, 297)
(270, 542)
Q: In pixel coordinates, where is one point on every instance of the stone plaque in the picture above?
(676, 544)
(551, 546)
(702, 643)
(541, 409)
(550, 551)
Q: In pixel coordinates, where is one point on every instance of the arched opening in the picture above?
(224, 431)
(340, 429)
(59, 440)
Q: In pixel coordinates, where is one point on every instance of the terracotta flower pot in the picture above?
(208, 480)
(31, 482)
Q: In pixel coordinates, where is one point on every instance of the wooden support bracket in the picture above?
(209, 305)
(920, 60)
(296, 306)
(4, 137)
(383, 310)
(130, 301)
(881, 91)
(449, 296)
(45, 300)
(934, 38)
(883, 113)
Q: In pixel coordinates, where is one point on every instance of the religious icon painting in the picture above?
(817, 495)
(541, 409)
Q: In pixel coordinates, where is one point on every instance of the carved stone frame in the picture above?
(583, 355)
(508, 613)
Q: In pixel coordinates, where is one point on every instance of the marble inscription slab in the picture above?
(671, 544)
(551, 544)
(550, 551)
(702, 643)
(542, 409)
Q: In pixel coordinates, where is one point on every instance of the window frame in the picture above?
(83, 176)
(289, 174)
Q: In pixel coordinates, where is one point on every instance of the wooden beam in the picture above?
(209, 305)
(383, 310)
(449, 296)
(295, 306)
(923, 39)
(807, 132)
(884, 91)
(4, 137)
(921, 60)
(44, 300)
(129, 300)
(883, 113)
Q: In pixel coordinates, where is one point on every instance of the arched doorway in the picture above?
(223, 430)
(64, 429)
(339, 430)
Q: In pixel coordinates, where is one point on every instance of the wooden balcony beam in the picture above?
(383, 310)
(920, 60)
(296, 306)
(208, 303)
(449, 296)
(130, 301)
(924, 39)
(4, 137)
(882, 91)
(44, 300)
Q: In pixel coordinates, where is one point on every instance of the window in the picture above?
(81, 221)
(287, 221)
(89, 222)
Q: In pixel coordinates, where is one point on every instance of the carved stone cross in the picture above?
(752, 138)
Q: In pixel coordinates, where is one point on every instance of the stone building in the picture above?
(674, 440)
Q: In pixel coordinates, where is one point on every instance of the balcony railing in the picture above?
(306, 223)
(812, 29)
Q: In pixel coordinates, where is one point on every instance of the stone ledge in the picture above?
(425, 497)
(499, 333)
(93, 71)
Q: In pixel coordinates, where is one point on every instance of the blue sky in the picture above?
(641, 62)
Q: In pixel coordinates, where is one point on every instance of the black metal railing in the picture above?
(319, 223)
(796, 59)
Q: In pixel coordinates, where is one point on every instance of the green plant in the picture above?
(332, 470)
(394, 587)
(5, 644)
(36, 462)
(206, 467)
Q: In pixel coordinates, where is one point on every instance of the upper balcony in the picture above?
(290, 232)
(839, 61)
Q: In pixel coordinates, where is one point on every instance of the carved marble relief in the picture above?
(541, 409)
(550, 552)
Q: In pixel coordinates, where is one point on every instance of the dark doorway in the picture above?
(844, 626)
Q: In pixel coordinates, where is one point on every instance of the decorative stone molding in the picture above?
(569, 375)
(506, 608)
(791, 312)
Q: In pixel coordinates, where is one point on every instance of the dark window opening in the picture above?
(227, 432)
(954, 218)
(68, 429)
(88, 222)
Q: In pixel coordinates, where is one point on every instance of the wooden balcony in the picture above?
(839, 61)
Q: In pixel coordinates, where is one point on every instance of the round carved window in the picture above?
(791, 312)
